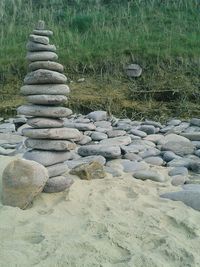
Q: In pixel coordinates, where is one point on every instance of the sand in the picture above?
(111, 222)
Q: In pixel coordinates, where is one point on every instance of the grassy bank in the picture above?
(96, 39)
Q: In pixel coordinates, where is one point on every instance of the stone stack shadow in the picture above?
(45, 90)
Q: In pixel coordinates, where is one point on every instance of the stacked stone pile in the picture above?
(45, 90)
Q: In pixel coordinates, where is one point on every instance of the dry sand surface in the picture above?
(111, 222)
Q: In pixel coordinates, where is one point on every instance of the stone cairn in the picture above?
(45, 90)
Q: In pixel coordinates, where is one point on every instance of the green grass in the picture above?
(97, 38)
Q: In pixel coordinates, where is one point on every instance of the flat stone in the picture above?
(148, 174)
(7, 127)
(154, 161)
(178, 171)
(131, 166)
(103, 124)
(37, 47)
(44, 111)
(103, 150)
(22, 181)
(195, 121)
(47, 65)
(45, 89)
(43, 76)
(192, 129)
(123, 127)
(45, 122)
(189, 198)
(8, 138)
(96, 136)
(174, 122)
(46, 99)
(155, 138)
(115, 133)
(154, 123)
(85, 140)
(57, 184)
(173, 138)
(195, 136)
(194, 166)
(53, 133)
(89, 171)
(196, 144)
(182, 162)
(134, 137)
(98, 115)
(193, 187)
(169, 155)
(132, 157)
(148, 129)
(40, 56)
(149, 152)
(114, 172)
(179, 148)
(103, 130)
(6, 152)
(133, 148)
(178, 180)
(80, 126)
(47, 158)
(73, 163)
(57, 169)
(39, 39)
(138, 133)
(55, 145)
(116, 141)
(43, 32)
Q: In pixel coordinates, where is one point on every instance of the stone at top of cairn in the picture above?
(40, 25)
(40, 29)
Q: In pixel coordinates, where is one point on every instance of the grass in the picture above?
(97, 38)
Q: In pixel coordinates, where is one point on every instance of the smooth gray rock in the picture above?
(47, 65)
(38, 122)
(193, 187)
(7, 127)
(73, 163)
(103, 124)
(132, 157)
(96, 136)
(22, 181)
(134, 137)
(36, 47)
(194, 166)
(196, 144)
(57, 169)
(149, 152)
(80, 126)
(154, 161)
(174, 122)
(192, 129)
(39, 39)
(8, 138)
(132, 167)
(85, 140)
(57, 184)
(43, 76)
(43, 32)
(6, 152)
(53, 133)
(117, 141)
(103, 130)
(190, 198)
(103, 150)
(173, 138)
(167, 129)
(41, 56)
(155, 138)
(169, 155)
(45, 89)
(44, 111)
(55, 145)
(197, 153)
(114, 172)
(132, 148)
(178, 171)
(182, 162)
(148, 129)
(47, 158)
(178, 180)
(98, 115)
(179, 148)
(46, 99)
(195, 121)
(123, 127)
(138, 133)
(195, 136)
(115, 133)
(154, 123)
(148, 174)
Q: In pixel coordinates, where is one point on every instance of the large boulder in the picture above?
(22, 181)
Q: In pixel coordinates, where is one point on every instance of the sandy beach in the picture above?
(109, 222)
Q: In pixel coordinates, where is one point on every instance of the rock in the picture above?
(45, 89)
(169, 155)
(44, 111)
(174, 122)
(197, 153)
(178, 171)
(114, 172)
(22, 181)
(154, 161)
(85, 140)
(173, 138)
(7, 127)
(37, 47)
(133, 70)
(55, 145)
(53, 133)
(98, 115)
(39, 39)
(103, 150)
(193, 187)
(132, 157)
(151, 175)
(195, 136)
(132, 167)
(57, 184)
(103, 124)
(80, 126)
(7, 138)
(149, 152)
(57, 169)
(81, 80)
(189, 198)
(182, 162)
(103, 130)
(48, 65)
(179, 148)
(115, 133)
(4, 151)
(195, 121)
(196, 144)
(89, 171)
(41, 56)
(194, 166)
(148, 129)
(123, 127)
(154, 123)
(155, 138)
(43, 32)
(116, 141)
(178, 180)
(132, 148)
(138, 133)
(43, 76)
(134, 137)
(47, 99)
(47, 158)
(73, 163)
(96, 136)
(45, 123)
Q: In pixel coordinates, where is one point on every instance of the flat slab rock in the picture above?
(57, 184)
(179, 148)
(47, 65)
(37, 47)
(80, 126)
(22, 181)
(148, 174)
(39, 39)
(46, 99)
(117, 141)
(45, 89)
(103, 150)
(57, 169)
(40, 56)
(45, 123)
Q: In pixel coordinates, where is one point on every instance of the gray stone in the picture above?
(40, 56)
(189, 198)
(194, 166)
(178, 180)
(57, 184)
(173, 138)
(85, 140)
(154, 123)
(167, 129)
(134, 137)
(48, 89)
(43, 32)
(133, 70)
(116, 141)
(45, 122)
(43, 76)
(138, 133)
(7, 138)
(182, 162)
(193, 187)
(47, 158)
(123, 127)
(148, 129)
(98, 115)
(44, 111)
(57, 169)
(22, 181)
(35, 47)
(103, 150)
(46, 99)
(73, 163)
(195, 121)
(115, 133)
(132, 167)
(103, 130)
(133, 148)
(169, 155)
(174, 122)
(96, 136)
(103, 124)
(195, 136)
(178, 171)
(53, 133)
(114, 172)
(81, 120)
(39, 39)
(148, 174)
(192, 129)
(48, 65)
(55, 145)
(179, 148)
(197, 153)
(80, 126)
(149, 152)
(132, 157)
(6, 152)
(154, 161)
(155, 138)
(7, 127)
(180, 128)
(196, 144)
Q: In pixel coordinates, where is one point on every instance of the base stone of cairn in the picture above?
(45, 90)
